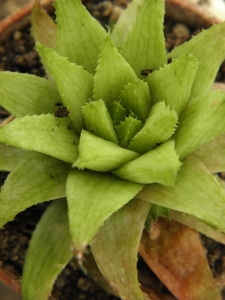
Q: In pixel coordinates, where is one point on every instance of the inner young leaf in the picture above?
(100, 155)
(97, 120)
(117, 112)
(159, 127)
(160, 165)
(136, 96)
(127, 129)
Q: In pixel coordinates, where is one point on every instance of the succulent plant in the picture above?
(121, 132)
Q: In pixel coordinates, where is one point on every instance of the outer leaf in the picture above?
(79, 36)
(26, 186)
(203, 120)
(197, 225)
(197, 193)
(175, 254)
(111, 74)
(25, 94)
(209, 48)
(173, 83)
(74, 83)
(144, 47)
(10, 157)
(159, 165)
(50, 243)
(43, 27)
(100, 155)
(159, 127)
(125, 22)
(28, 132)
(115, 249)
(136, 96)
(98, 121)
(212, 154)
(93, 197)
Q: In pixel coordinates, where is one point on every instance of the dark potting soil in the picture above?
(18, 55)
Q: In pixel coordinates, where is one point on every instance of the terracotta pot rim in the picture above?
(20, 19)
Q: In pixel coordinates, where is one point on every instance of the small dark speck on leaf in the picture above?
(62, 112)
(51, 177)
(58, 104)
(145, 72)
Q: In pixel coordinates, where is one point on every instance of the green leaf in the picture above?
(10, 157)
(101, 155)
(202, 121)
(197, 193)
(159, 127)
(73, 82)
(212, 154)
(115, 249)
(117, 112)
(43, 28)
(159, 165)
(27, 185)
(92, 198)
(173, 83)
(79, 36)
(60, 141)
(209, 48)
(136, 97)
(156, 211)
(144, 47)
(25, 94)
(111, 74)
(50, 247)
(125, 22)
(127, 129)
(98, 121)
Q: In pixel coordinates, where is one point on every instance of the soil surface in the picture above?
(18, 55)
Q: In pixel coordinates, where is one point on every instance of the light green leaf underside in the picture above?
(127, 129)
(203, 120)
(197, 225)
(115, 249)
(98, 121)
(136, 96)
(92, 198)
(100, 155)
(74, 83)
(173, 83)
(197, 193)
(50, 247)
(209, 48)
(159, 165)
(79, 38)
(43, 28)
(26, 185)
(25, 94)
(159, 127)
(30, 132)
(117, 112)
(144, 47)
(212, 154)
(10, 157)
(125, 22)
(112, 74)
